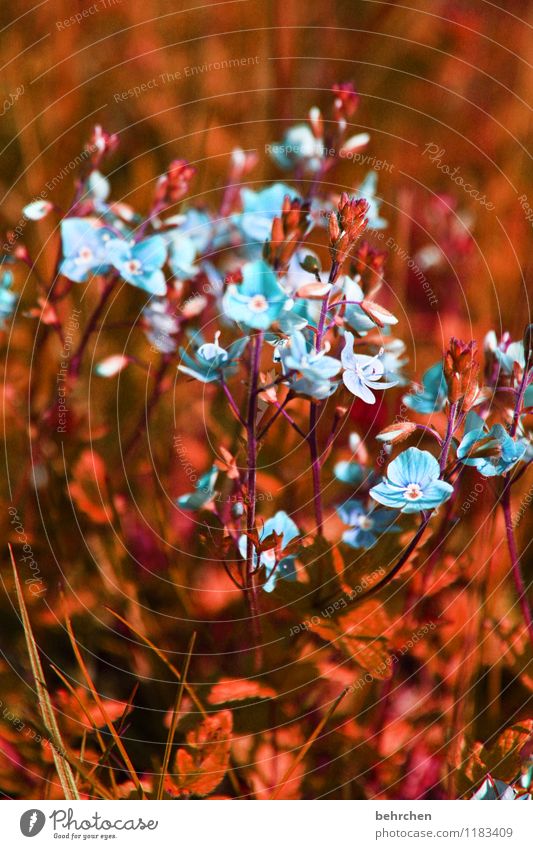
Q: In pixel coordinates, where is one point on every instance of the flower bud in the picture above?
(396, 432)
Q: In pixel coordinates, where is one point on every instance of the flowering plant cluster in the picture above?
(277, 308)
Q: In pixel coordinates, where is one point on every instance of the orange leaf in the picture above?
(237, 690)
(88, 489)
(202, 768)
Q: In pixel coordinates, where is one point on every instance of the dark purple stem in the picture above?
(277, 414)
(75, 363)
(448, 437)
(398, 565)
(281, 409)
(519, 401)
(315, 466)
(325, 306)
(232, 401)
(142, 424)
(509, 526)
(432, 432)
(343, 303)
(312, 436)
(251, 587)
(515, 560)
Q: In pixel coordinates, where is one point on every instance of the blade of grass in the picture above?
(100, 790)
(161, 656)
(174, 720)
(96, 730)
(96, 696)
(61, 763)
(307, 745)
(177, 675)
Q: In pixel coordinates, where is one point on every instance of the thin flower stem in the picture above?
(251, 586)
(281, 409)
(448, 437)
(509, 525)
(232, 402)
(144, 418)
(280, 379)
(519, 401)
(519, 474)
(75, 363)
(325, 306)
(399, 563)
(432, 432)
(315, 467)
(521, 588)
(312, 436)
(337, 419)
(343, 303)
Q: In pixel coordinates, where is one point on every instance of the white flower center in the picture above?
(258, 303)
(133, 266)
(366, 523)
(85, 255)
(413, 492)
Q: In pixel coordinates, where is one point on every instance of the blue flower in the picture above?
(260, 208)
(493, 790)
(211, 362)
(8, 298)
(204, 491)
(183, 250)
(161, 325)
(393, 361)
(354, 474)
(140, 263)
(355, 316)
(350, 472)
(499, 451)
(412, 483)
(362, 373)
(314, 368)
(299, 147)
(366, 525)
(197, 225)
(85, 248)
(259, 300)
(283, 526)
(514, 353)
(295, 318)
(432, 397)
